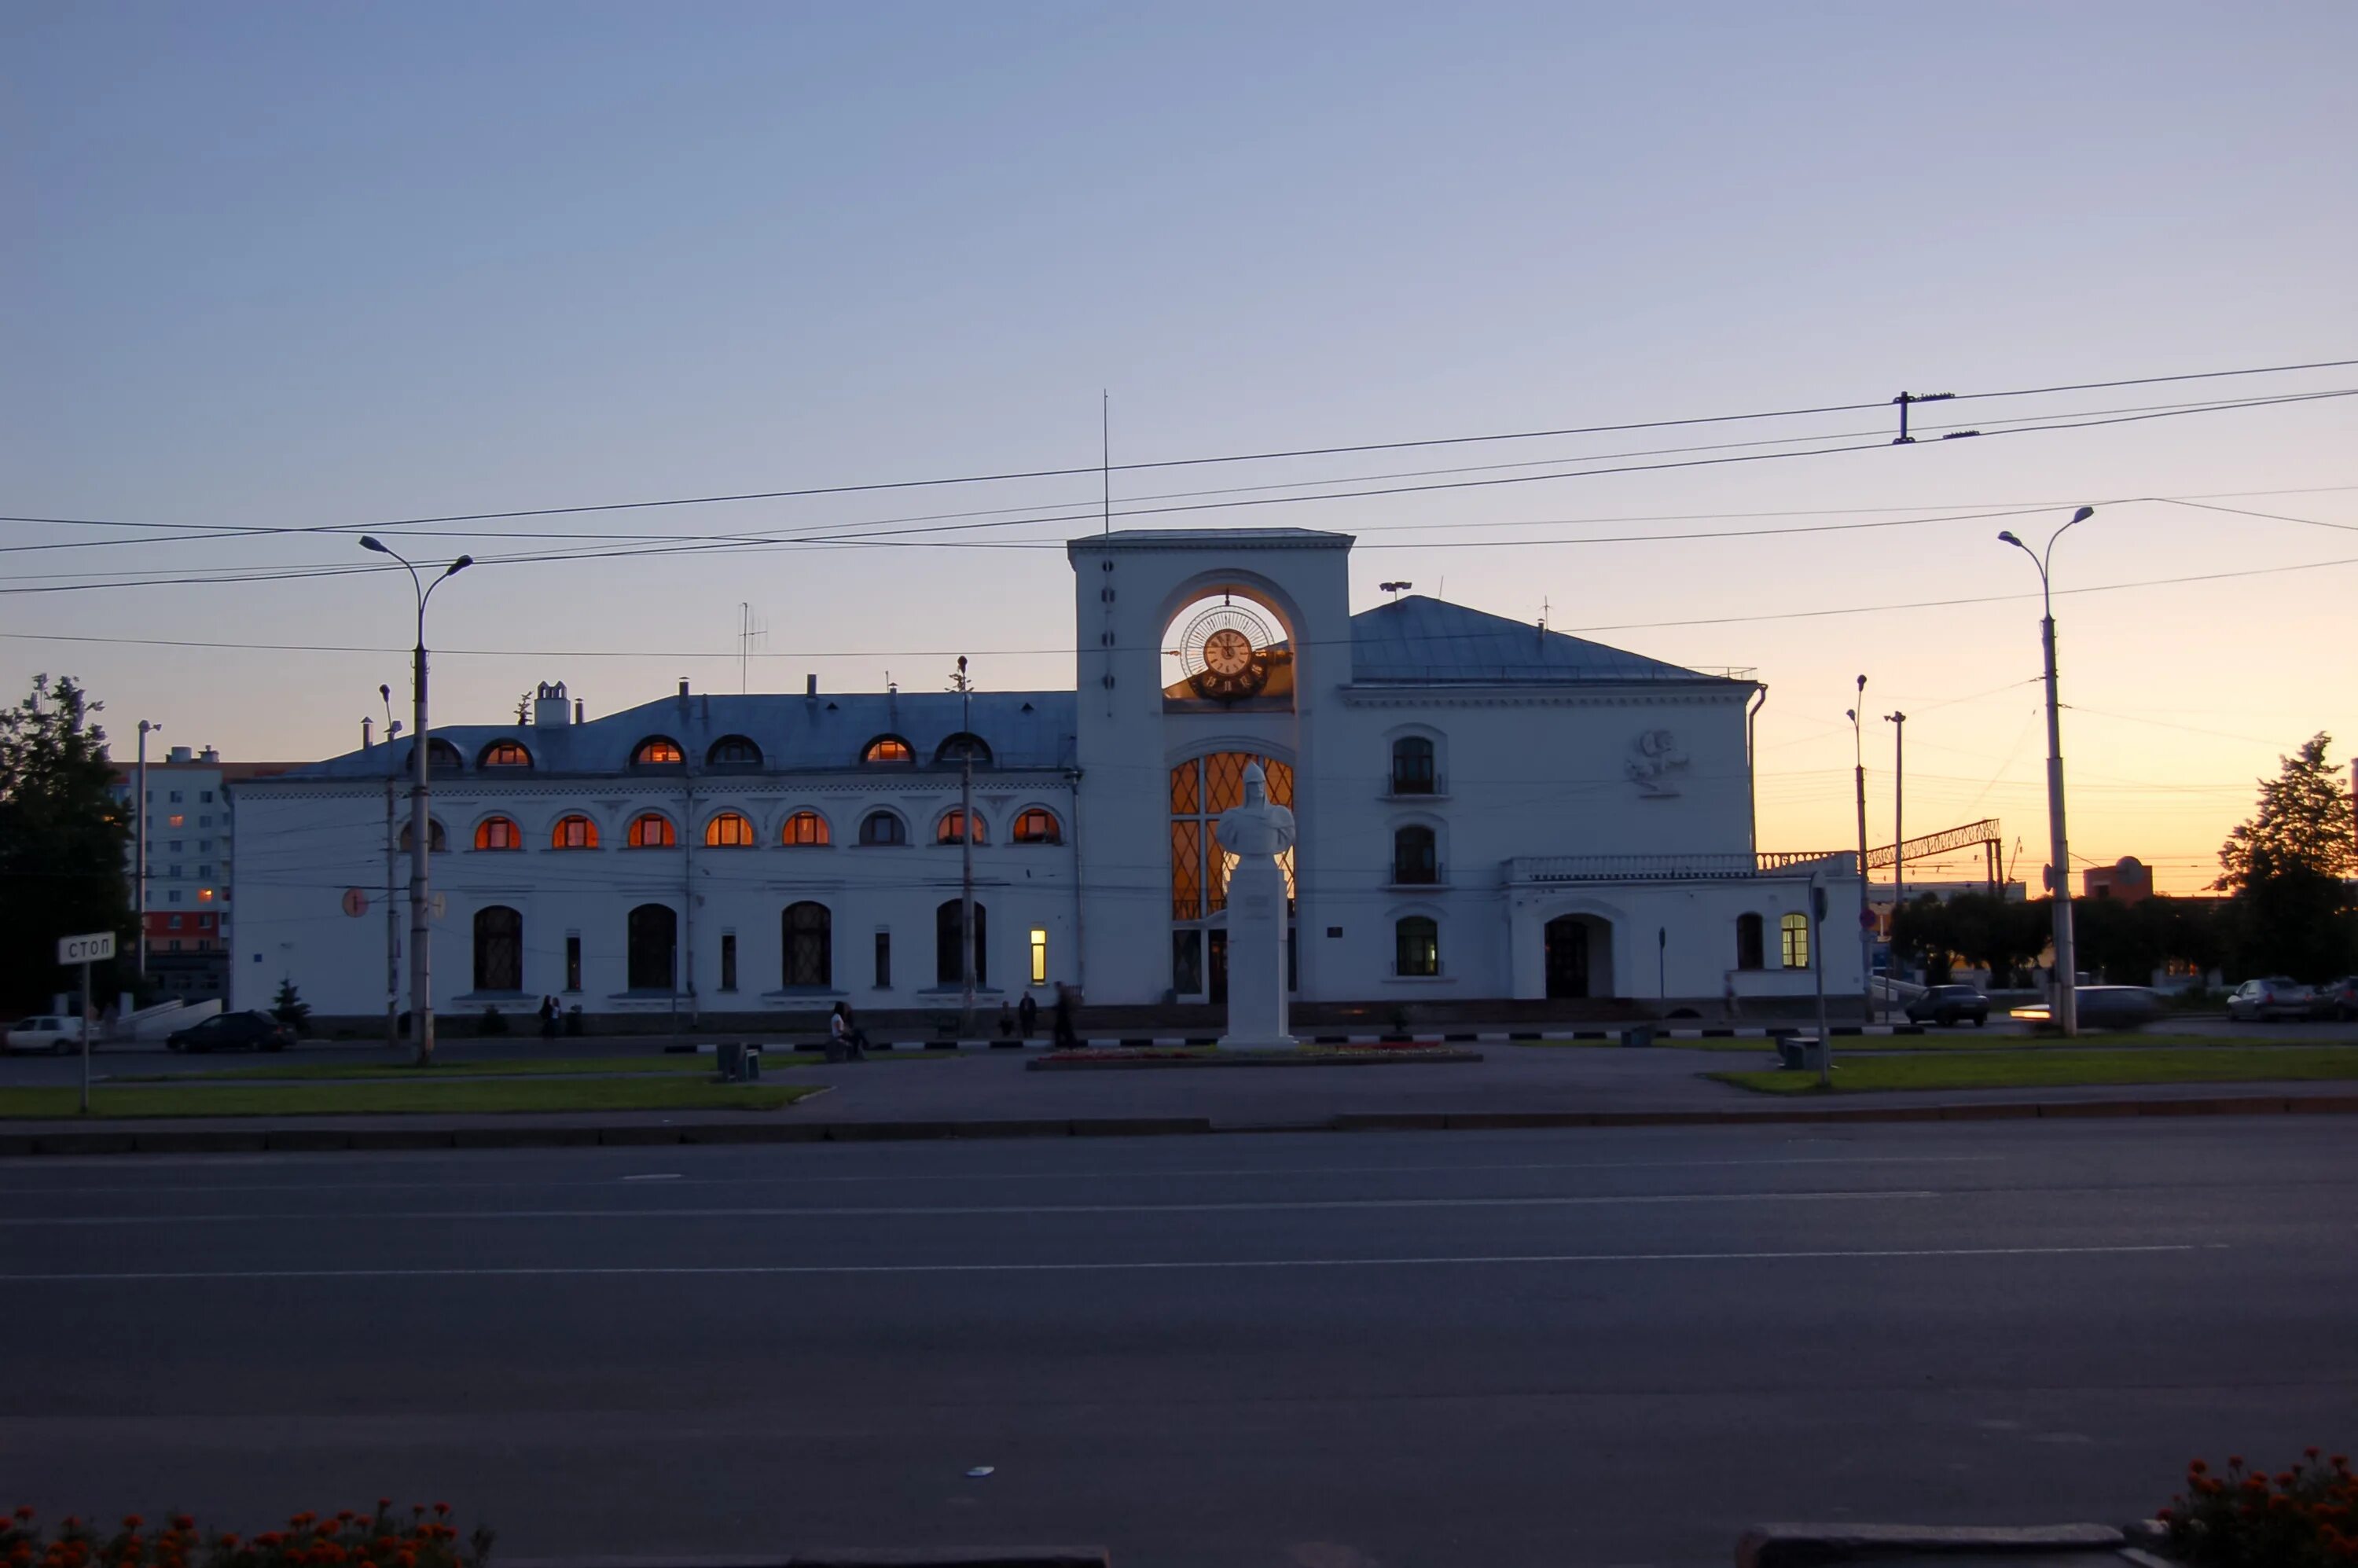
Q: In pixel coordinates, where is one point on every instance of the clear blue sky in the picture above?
(287, 265)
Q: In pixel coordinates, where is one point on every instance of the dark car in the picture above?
(2340, 998)
(1949, 1004)
(233, 1032)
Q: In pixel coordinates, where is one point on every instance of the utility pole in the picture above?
(139, 850)
(1899, 845)
(966, 850)
(2065, 1010)
(1865, 937)
(392, 913)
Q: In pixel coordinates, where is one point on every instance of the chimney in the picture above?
(208, 755)
(577, 711)
(810, 686)
(548, 706)
(179, 755)
(683, 686)
(367, 736)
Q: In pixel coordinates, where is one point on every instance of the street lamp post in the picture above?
(139, 850)
(2066, 1011)
(1865, 937)
(421, 829)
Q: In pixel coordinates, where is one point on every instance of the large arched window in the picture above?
(498, 950)
(729, 830)
(882, 828)
(1751, 950)
(504, 754)
(1413, 769)
(1793, 941)
(947, 960)
(805, 829)
(498, 833)
(440, 755)
(1037, 825)
(958, 748)
(807, 941)
(437, 841)
(658, 752)
(733, 751)
(1416, 947)
(573, 831)
(951, 829)
(654, 933)
(887, 749)
(1416, 856)
(652, 830)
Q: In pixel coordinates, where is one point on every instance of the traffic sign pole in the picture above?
(85, 1036)
(85, 951)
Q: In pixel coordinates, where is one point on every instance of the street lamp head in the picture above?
(2006, 536)
(461, 564)
(370, 542)
(1851, 714)
(2082, 514)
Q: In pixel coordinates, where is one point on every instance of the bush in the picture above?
(2306, 1517)
(494, 1022)
(288, 1006)
(349, 1540)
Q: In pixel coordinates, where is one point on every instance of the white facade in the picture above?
(1488, 812)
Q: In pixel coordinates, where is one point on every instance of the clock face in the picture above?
(1225, 652)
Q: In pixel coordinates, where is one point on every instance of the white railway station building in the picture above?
(1488, 813)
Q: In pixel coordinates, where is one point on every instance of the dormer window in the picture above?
(504, 754)
(887, 750)
(733, 751)
(960, 747)
(658, 752)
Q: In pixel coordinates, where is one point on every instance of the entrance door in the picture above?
(1567, 956)
(1217, 938)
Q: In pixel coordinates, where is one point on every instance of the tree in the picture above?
(288, 1006)
(2285, 866)
(61, 842)
(1986, 931)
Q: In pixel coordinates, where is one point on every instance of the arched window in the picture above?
(951, 829)
(1413, 771)
(654, 933)
(1035, 824)
(1416, 856)
(498, 833)
(573, 832)
(1416, 947)
(733, 751)
(504, 754)
(882, 828)
(1751, 952)
(437, 841)
(947, 960)
(888, 749)
(729, 830)
(806, 935)
(498, 950)
(658, 752)
(958, 748)
(652, 830)
(1793, 941)
(440, 755)
(805, 829)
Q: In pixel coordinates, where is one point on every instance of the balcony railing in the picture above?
(1673, 867)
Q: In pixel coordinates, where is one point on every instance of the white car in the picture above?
(2278, 997)
(48, 1032)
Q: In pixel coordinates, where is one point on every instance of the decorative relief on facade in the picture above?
(1654, 768)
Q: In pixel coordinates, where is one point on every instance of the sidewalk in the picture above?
(988, 1094)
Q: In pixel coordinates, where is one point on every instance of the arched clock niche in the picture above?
(1225, 650)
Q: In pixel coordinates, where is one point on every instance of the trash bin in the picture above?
(730, 1057)
(1800, 1053)
(1638, 1035)
(752, 1064)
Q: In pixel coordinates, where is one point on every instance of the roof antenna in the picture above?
(1105, 451)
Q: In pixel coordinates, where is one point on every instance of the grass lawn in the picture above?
(1991, 1040)
(2060, 1068)
(668, 1093)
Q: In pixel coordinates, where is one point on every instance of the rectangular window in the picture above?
(1795, 931)
(172, 897)
(176, 945)
(204, 870)
(1039, 956)
(573, 960)
(175, 846)
(883, 960)
(204, 845)
(175, 820)
(173, 870)
(204, 822)
(175, 923)
(175, 797)
(205, 796)
(729, 960)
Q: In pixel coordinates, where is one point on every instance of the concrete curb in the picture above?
(1808, 1545)
(1395, 1057)
(1455, 1037)
(135, 1137)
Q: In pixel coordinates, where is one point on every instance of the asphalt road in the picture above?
(1589, 1347)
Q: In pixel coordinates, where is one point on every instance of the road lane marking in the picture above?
(759, 1270)
(1279, 1206)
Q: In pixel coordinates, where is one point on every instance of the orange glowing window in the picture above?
(652, 830)
(803, 829)
(506, 754)
(204, 895)
(574, 832)
(952, 830)
(888, 749)
(1036, 826)
(658, 752)
(498, 833)
(729, 830)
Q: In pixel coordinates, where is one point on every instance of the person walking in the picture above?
(1067, 1038)
(1027, 1017)
(548, 1013)
(844, 1033)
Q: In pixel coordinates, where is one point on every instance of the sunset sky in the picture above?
(288, 267)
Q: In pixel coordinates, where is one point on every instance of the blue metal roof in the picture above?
(796, 733)
(1419, 641)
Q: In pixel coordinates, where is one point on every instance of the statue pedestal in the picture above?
(1256, 1006)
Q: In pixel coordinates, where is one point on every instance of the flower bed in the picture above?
(345, 1540)
(2306, 1517)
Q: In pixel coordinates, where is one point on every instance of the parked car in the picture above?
(2340, 998)
(2276, 996)
(47, 1032)
(1949, 1005)
(231, 1032)
(2102, 1007)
